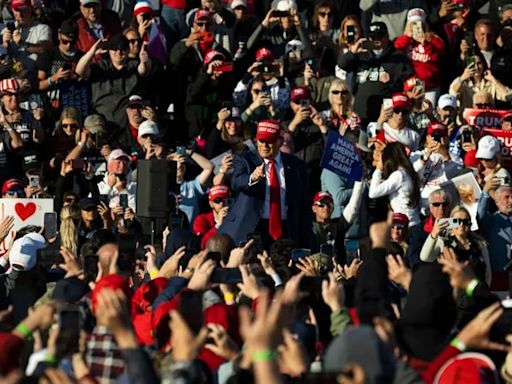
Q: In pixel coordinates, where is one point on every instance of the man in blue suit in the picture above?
(271, 191)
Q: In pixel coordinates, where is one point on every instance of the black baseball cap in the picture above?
(69, 28)
(86, 203)
(118, 42)
(378, 29)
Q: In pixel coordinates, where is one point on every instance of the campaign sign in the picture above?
(76, 94)
(484, 118)
(342, 157)
(25, 212)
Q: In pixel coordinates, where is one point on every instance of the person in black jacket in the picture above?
(379, 69)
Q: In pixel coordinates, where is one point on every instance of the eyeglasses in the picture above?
(338, 92)
(19, 192)
(219, 200)
(483, 105)
(133, 41)
(401, 111)
(439, 204)
(324, 14)
(398, 226)
(69, 125)
(67, 42)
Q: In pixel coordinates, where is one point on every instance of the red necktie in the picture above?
(274, 224)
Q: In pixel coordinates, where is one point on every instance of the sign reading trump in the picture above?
(342, 157)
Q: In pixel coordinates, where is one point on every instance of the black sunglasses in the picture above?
(323, 14)
(401, 110)
(67, 42)
(257, 91)
(133, 41)
(69, 125)
(398, 226)
(204, 24)
(218, 200)
(466, 222)
(444, 204)
(323, 205)
(483, 105)
(337, 92)
(93, 5)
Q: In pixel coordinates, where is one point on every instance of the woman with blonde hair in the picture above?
(69, 218)
(65, 137)
(341, 115)
(468, 246)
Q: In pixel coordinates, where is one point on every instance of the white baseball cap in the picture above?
(23, 254)
(148, 127)
(416, 14)
(283, 5)
(238, 3)
(447, 100)
(488, 147)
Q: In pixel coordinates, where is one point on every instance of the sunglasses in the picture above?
(323, 205)
(218, 200)
(240, 8)
(19, 192)
(203, 24)
(67, 42)
(439, 204)
(337, 92)
(483, 105)
(324, 14)
(398, 226)
(91, 5)
(401, 111)
(69, 125)
(257, 91)
(466, 222)
(133, 41)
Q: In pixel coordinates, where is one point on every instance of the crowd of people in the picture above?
(266, 265)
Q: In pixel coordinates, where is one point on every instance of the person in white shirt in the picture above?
(435, 164)
(395, 177)
(392, 121)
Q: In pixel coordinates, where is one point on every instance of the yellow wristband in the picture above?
(153, 274)
(229, 297)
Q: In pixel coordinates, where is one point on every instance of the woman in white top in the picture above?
(395, 177)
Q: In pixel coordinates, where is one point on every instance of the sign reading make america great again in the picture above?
(342, 157)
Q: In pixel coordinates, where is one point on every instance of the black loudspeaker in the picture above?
(156, 179)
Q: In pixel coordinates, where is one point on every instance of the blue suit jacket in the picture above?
(246, 212)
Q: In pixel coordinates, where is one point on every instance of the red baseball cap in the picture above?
(470, 160)
(400, 100)
(269, 130)
(218, 192)
(202, 14)
(468, 368)
(436, 126)
(11, 184)
(401, 219)
(264, 53)
(300, 93)
(20, 4)
(410, 83)
(212, 55)
(322, 195)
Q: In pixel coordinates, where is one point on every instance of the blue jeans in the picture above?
(173, 25)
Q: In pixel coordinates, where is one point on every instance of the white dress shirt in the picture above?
(278, 163)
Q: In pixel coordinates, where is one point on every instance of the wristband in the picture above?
(153, 274)
(471, 287)
(23, 329)
(265, 355)
(51, 359)
(229, 297)
(458, 344)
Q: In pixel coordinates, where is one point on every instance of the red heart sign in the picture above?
(24, 211)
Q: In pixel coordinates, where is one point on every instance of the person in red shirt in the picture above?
(425, 50)
(206, 224)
